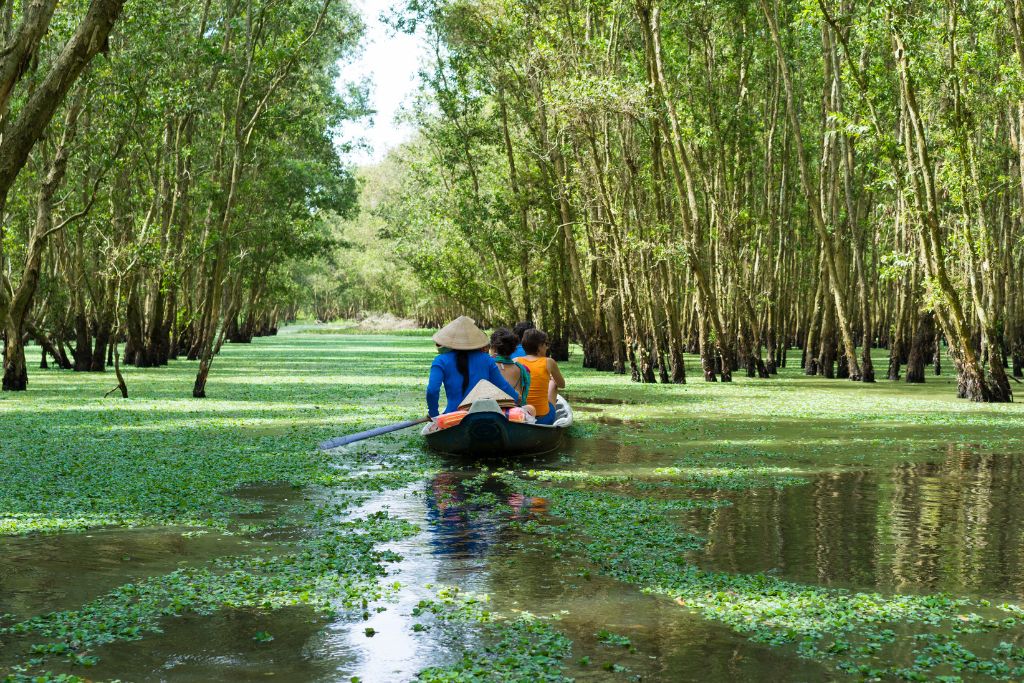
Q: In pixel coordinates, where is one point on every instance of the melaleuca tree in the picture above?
(732, 179)
(199, 163)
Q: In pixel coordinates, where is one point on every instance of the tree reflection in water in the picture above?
(956, 525)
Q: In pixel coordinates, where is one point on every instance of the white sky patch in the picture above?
(390, 61)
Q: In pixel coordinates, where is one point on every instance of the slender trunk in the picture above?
(814, 202)
(683, 179)
(971, 379)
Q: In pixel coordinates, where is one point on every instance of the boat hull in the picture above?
(489, 434)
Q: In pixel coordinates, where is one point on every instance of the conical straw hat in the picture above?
(485, 389)
(461, 334)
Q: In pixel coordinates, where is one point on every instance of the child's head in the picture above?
(503, 341)
(534, 342)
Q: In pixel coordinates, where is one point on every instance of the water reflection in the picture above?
(467, 542)
(40, 573)
(465, 521)
(220, 647)
(955, 526)
(951, 526)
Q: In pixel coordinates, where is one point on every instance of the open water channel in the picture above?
(952, 525)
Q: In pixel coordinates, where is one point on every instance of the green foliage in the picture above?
(620, 512)
(523, 648)
(642, 178)
(362, 272)
(614, 639)
(202, 163)
(153, 460)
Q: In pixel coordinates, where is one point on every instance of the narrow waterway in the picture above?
(951, 525)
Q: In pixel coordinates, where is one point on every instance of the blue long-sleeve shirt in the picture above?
(444, 372)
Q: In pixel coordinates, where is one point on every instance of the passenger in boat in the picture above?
(545, 377)
(519, 330)
(460, 363)
(503, 344)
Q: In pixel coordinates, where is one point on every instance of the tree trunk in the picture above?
(683, 179)
(99, 354)
(15, 369)
(971, 380)
(921, 348)
(814, 202)
(21, 134)
(15, 373)
(208, 335)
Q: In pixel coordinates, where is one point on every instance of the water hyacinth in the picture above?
(646, 517)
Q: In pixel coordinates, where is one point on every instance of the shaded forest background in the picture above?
(729, 179)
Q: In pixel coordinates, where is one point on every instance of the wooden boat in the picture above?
(485, 431)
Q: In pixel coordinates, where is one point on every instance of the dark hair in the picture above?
(462, 365)
(532, 340)
(522, 327)
(504, 341)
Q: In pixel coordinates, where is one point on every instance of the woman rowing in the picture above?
(460, 363)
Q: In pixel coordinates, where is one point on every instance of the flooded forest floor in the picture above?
(792, 529)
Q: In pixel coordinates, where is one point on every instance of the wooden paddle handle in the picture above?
(369, 433)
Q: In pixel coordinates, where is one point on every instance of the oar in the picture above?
(370, 433)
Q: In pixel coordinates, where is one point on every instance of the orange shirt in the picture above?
(539, 379)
